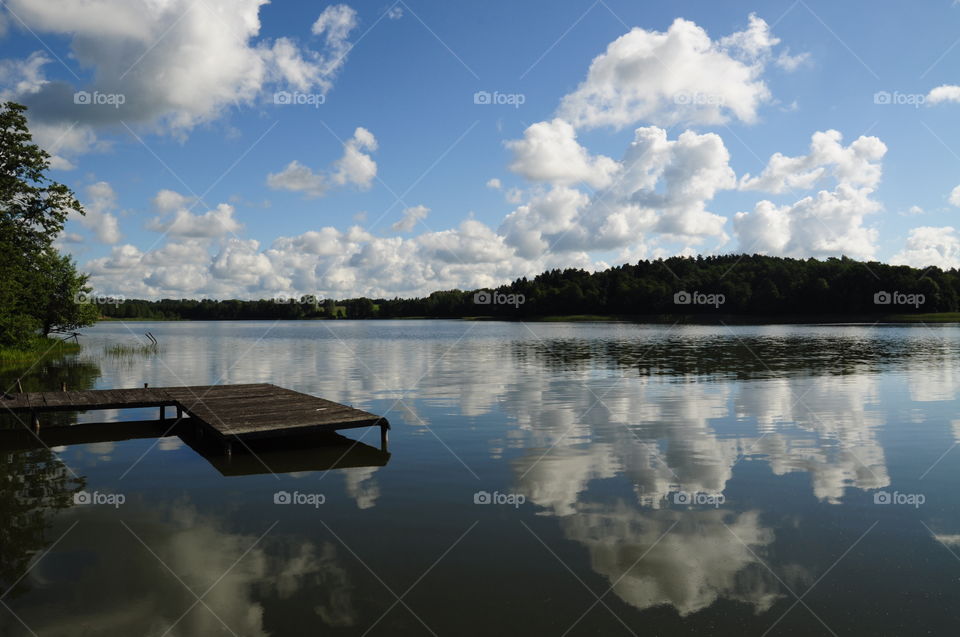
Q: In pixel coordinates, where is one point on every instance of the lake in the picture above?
(544, 478)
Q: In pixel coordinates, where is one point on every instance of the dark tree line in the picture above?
(744, 285)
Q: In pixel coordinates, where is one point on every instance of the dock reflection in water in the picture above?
(293, 454)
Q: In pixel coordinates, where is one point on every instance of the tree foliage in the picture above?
(38, 286)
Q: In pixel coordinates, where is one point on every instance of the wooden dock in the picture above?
(228, 412)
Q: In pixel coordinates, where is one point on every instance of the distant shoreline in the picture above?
(671, 319)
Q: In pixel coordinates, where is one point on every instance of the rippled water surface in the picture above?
(573, 479)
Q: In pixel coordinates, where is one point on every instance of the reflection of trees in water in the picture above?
(736, 356)
(48, 375)
(34, 485)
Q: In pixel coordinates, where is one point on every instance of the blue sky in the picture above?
(191, 190)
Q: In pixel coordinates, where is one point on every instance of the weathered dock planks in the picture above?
(231, 412)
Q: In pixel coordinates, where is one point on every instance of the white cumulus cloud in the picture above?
(355, 167)
(831, 223)
(99, 201)
(181, 222)
(944, 93)
(928, 246)
(828, 224)
(549, 151)
(954, 198)
(177, 63)
(660, 186)
(298, 178)
(410, 218)
(680, 75)
(856, 164)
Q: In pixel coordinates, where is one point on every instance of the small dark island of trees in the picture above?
(705, 288)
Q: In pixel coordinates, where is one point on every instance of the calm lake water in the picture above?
(543, 479)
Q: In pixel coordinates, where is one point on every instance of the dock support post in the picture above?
(163, 412)
(229, 446)
(384, 437)
(35, 420)
(179, 412)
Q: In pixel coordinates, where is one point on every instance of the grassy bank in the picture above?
(37, 349)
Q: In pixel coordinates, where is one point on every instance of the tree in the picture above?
(33, 208)
(64, 295)
(360, 308)
(329, 307)
(38, 287)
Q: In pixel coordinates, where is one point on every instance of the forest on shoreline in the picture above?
(702, 287)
